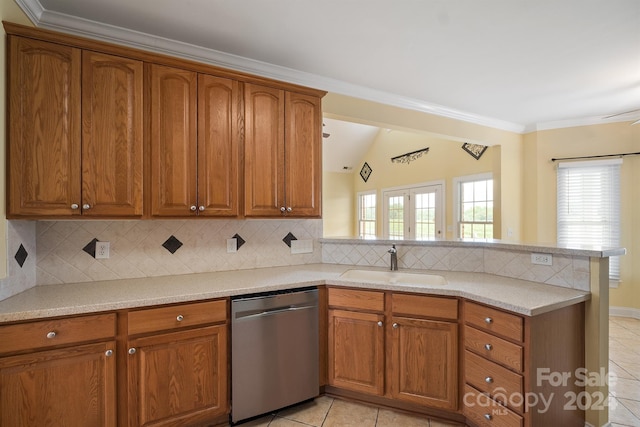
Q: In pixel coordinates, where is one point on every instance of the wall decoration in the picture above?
(476, 150)
(365, 171)
(409, 157)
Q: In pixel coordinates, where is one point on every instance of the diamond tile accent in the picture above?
(288, 238)
(240, 241)
(21, 255)
(90, 247)
(172, 244)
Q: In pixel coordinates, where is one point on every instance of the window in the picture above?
(475, 206)
(589, 206)
(413, 212)
(367, 215)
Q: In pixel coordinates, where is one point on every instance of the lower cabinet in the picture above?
(50, 375)
(399, 346)
(178, 376)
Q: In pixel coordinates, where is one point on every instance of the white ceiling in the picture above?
(518, 65)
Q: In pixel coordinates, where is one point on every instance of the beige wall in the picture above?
(338, 205)
(9, 11)
(444, 161)
(540, 190)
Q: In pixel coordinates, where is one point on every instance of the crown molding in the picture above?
(585, 121)
(108, 33)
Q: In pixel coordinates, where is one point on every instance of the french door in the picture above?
(414, 213)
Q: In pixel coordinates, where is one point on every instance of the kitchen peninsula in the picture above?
(483, 287)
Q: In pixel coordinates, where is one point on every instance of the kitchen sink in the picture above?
(392, 277)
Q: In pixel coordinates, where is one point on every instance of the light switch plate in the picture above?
(102, 250)
(232, 246)
(304, 246)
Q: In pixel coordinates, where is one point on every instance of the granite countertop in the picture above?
(520, 296)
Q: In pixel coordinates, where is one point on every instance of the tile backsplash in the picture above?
(566, 271)
(136, 247)
(21, 258)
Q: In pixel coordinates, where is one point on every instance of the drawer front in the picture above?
(50, 333)
(427, 306)
(356, 299)
(493, 348)
(177, 316)
(485, 412)
(495, 321)
(502, 384)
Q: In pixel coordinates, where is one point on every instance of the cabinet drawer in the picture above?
(496, 321)
(177, 316)
(427, 306)
(49, 333)
(356, 299)
(493, 348)
(499, 382)
(485, 412)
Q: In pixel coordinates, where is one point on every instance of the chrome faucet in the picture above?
(394, 257)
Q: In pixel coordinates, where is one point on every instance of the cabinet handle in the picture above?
(380, 323)
(488, 346)
(289, 209)
(86, 206)
(488, 380)
(193, 208)
(395, 326)
(201, 208)
(488, 416)
(132, 350)
(488, 320)
(282, 209)
(108, 353)
(51, 334)
(180, 318)
(74, 206)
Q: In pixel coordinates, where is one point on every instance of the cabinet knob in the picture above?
(180, 318)
(488, 346)
(132, 350)
(488, 417)
(289, 209)
(51, 334)
(86, 206)
(282, 209)
(108, 353)
(74, 206)
(395, 326)
(193, 208)
(488, 380)
(380, 323)
(201, 208)
(488, 320)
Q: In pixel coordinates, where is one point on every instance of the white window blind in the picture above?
(589, 206)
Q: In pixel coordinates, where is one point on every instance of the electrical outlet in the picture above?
(102, 250)
(232, 246)
(542, 259)
(303, 246)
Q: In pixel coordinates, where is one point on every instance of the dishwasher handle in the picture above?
(254, 314)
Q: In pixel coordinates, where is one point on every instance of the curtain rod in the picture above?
(596, 157)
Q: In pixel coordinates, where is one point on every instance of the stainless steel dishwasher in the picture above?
(274, 351)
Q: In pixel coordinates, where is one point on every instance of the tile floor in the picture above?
(624, 369)
(624, 410)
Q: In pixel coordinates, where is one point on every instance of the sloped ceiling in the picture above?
(512, 64)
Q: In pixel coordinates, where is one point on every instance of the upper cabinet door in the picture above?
(264, 151)
(219, 121)
(303, 155)
(173, 134)
(112, 126)
(44, 129)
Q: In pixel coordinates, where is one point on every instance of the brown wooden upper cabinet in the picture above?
(75, 133)
(194, 143)
(282, 153)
